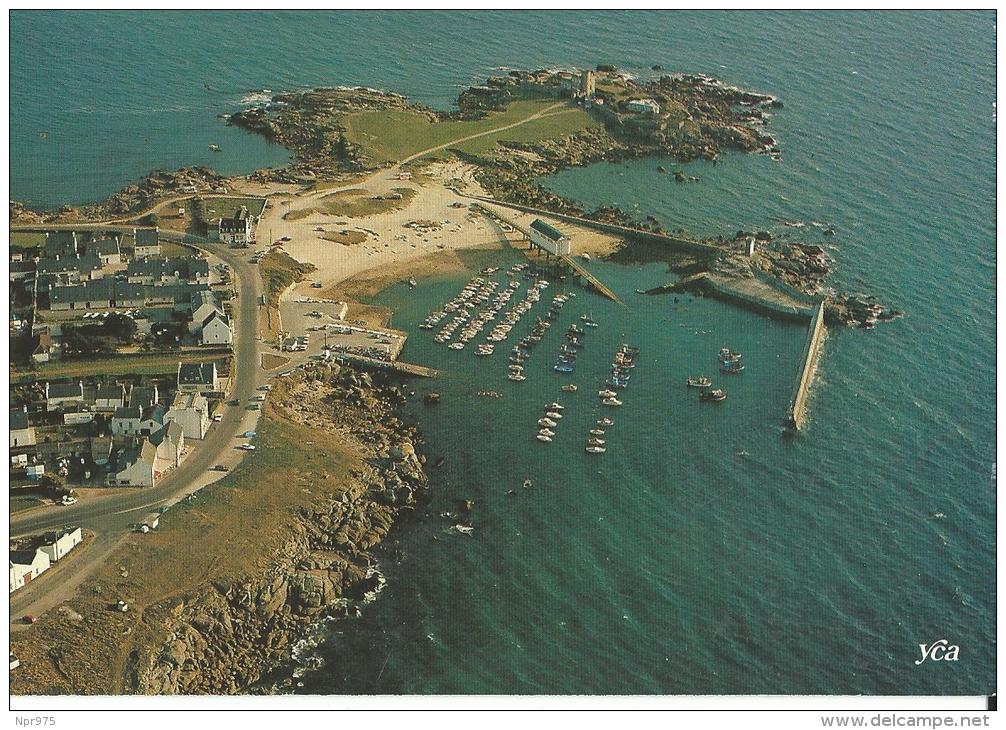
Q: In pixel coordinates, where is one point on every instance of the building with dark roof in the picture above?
(146, 242)
(198, 377)
(549, 238)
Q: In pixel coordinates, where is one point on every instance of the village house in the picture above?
(60, 243)
(136, 421)
(191, 412)
(107, 250)
(110, 397)
(26, 565)
(198, 378)
(45, 347)
(216, 330)
(169, 442)
(59, 544)
(146, 242)
(154, 271)
(69, 269)
(203, 304)
(60, 395)
(129, 295)
(140, 471)
(21, 432)
(97, 294)
(143, 396)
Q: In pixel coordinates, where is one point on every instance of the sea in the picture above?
(707, 551)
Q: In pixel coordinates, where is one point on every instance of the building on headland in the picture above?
(237, 231)
(643, 106)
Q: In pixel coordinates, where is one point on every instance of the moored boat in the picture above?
(715, 395)
(613, 402)
(699, 382)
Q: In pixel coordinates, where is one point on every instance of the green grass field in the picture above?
(393, 135)
(153, 364)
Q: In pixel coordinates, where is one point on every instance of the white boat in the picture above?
(606, 393)
(597, 432)
(570, 388)
(614, 402)
(546, 432)
(516, 377)
(595, 449)
(555, 415)
(546, 422)
(456, 346)
(555, 407)
(595, 442)
(543, 437)
(605, 421)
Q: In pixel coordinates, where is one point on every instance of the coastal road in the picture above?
(114, 513)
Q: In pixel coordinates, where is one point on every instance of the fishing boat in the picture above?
(605, 421)
(516, 377)
(728, 355)
(546, 431)
(553, 406)
(595, 449)
(544, 437)
(456, 346)
(606, 393)
(546, 422)
(713, 395)
(215, 147)
(732, 368)
(595, 442)
(699, 382)
(562, 367)
(597, 432)
(484, 350)
(554, 415)
(587, 320)
(568, 388)
(613, 402)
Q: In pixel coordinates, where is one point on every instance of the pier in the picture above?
(563, 259)
(406, 368)
(815, 336)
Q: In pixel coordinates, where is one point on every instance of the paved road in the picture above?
(112, 513)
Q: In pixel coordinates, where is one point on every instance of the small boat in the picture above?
(555, 406)
(528, 484)
(606, 393)
(732, 368)
(456, 346)
(569, 388)
(543, 437)
(516, 377)
(605, 421)
(713, 395)
(562, 368)
(597, 432)
(728, 355)
(595, 442)
(554, 415)
(699, 382)
(215, 148)
(412, 282)
(546, 422)
(595, 449)
(613, 402)
(546, 431)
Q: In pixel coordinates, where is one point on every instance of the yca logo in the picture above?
(940, 651)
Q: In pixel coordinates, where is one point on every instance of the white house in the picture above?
(169, 442)
(26, 565)
(203, 305)
(237, 231)
(146, 243)
(217, 330)
(191, 412)
(21, 432)
(141, 472)
(58, 544)
(643, 106)
(58, 395)
(549, 238)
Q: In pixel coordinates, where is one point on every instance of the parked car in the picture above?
(220, 467)
(218, 417)
(247, 447)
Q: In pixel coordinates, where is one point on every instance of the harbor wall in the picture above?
(637, 234)
(762, 305)
(815, 336)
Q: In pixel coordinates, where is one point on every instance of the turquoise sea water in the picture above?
(705, 552)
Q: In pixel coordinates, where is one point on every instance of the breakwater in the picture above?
(815, 336)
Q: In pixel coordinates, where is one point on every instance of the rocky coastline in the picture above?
(229, 638)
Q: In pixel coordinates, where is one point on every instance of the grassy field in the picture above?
(346, 237)
(152, 364)
(278, 271)
(228, 531)
(392, 135)
(354, 203)
(26, 239)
